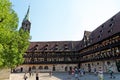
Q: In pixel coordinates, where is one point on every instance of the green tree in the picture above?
(13, 43)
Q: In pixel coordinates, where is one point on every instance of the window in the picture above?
(56, 47)
(99, 36)
(111, 25)
(109, 31)
(102, 26)
(33, 67)
(46, 67)
(112, 19)
(45, 48)
(65, 47)
(101, 31)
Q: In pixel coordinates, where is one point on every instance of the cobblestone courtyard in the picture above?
(61, 76)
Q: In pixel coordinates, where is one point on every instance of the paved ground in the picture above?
(4, 74)
(61, 76)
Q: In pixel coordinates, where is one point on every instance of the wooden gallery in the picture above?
(99, 48)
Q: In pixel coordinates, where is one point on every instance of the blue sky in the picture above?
(64, 20)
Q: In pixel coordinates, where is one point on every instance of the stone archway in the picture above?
(66, 68)
(40, 67)
(33, 68)
(46, 67)
(54, 68)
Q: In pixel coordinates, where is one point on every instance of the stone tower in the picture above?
(26, 24)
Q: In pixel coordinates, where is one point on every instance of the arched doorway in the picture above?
(89, 68)
(66, 68)
(40, 67)
(46, 67)
(53, 67)
(33, 68)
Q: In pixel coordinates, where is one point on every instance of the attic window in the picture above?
(56, 48)
(46, 45)
(45, 48)
(36, 45)
(99, 36)
(101, 31)
(112, 19)
(65, 46)
(102, 26)
(110, 30)
(56, 45)
(81, 45)
(111, 25)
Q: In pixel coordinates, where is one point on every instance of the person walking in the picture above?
(25, 76)
(76, 74)
(111, 72)
(100, 74)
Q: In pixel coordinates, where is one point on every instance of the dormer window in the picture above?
(110, 30)
(112, 19)
(65, 47)
(56, 47)
(101, 31)
(102, 26)
(99, 36)
(111, 25)
(45, 48)
(46, 45)
(36, 47)
(65, 44)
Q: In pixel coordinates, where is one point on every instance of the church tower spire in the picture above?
(27, 15)
(26, 24)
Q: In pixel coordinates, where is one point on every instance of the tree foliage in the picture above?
(13, 43)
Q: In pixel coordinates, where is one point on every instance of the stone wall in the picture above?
(105, 65)
(51, 67)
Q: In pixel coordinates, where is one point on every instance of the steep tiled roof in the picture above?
(109, 28)
(51, 46)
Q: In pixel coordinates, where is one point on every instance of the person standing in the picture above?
(100, 74)
(29, 71)
(95, 71)
(37, 77)
(50, 73)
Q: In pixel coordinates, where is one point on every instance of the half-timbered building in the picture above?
(98, 48)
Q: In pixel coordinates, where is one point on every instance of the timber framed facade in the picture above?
(99, 48)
